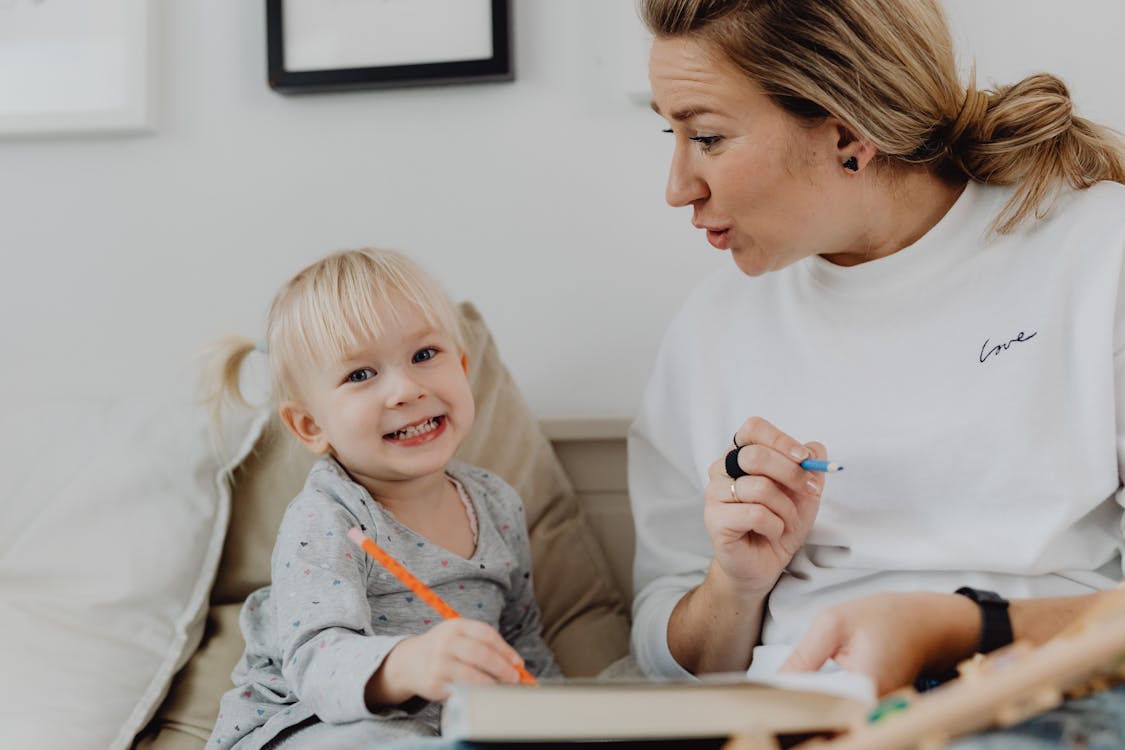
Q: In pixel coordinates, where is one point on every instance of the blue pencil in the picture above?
(815, 464)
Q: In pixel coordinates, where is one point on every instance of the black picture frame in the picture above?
(498, 67)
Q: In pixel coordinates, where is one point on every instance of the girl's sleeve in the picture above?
(323, 622)
(519, 620)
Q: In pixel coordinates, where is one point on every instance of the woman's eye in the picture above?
(361, 375)
(706, 142)
(424, 354)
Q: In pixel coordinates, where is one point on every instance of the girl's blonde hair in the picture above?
(887, 68)
(326, 310)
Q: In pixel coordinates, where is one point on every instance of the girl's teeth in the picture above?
(416, 430)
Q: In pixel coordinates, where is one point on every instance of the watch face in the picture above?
(980, 596)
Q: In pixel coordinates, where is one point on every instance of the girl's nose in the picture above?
(403, 389)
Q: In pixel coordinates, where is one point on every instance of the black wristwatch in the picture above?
(995, 624)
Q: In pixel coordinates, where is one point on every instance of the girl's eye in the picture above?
(424, 354)
(666, 130)
(361, 375)
(706, 142)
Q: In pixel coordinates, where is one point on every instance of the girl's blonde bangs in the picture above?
(341, 303)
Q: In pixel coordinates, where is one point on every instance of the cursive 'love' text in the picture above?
(986, 352)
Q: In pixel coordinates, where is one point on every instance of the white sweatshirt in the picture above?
(973, 389)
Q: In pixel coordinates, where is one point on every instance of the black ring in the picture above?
(734, 471)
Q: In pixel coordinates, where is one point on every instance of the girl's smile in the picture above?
(417, 433)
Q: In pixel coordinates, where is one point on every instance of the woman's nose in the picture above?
(685, 186)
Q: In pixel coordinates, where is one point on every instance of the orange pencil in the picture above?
(427, 595)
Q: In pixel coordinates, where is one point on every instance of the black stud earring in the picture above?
(852, 164)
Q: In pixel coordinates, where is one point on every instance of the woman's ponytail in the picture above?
(1027, 135)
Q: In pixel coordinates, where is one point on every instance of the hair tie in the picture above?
(970, 116)
(260, 345)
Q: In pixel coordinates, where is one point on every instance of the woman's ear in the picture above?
(850, 146)
(301, 423)
(465, 362)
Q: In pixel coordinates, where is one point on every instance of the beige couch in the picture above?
(571, 475)
(592, 451)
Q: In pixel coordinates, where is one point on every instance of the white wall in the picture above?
(540, 200)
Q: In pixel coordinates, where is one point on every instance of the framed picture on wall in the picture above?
(332, 45)
(76, 68)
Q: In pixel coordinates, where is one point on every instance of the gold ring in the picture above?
(733, 495)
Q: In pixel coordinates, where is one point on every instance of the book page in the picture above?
(835, 682)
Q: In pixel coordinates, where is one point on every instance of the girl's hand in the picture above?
(759, 521)
(892, 638)
(460, 650)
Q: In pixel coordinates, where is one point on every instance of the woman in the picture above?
(927, 282)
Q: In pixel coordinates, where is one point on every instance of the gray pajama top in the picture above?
(317, 634)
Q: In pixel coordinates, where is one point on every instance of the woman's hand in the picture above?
(460, 650)
(892, 638)
(758, 522)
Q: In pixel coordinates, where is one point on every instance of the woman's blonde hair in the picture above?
(328, 309)
(887, 68)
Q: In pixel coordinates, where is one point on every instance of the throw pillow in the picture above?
(111, 525)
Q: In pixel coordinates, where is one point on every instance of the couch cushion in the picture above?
(585, 618)
(111, 525)
(584, 615)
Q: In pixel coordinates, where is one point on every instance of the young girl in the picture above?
(369, 372)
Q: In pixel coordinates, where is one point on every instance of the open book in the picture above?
(716, 706)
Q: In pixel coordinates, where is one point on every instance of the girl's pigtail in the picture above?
(221, 378)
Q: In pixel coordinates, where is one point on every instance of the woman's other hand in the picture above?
(892, 638)
(757, 522)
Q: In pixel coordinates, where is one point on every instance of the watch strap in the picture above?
(995, 623)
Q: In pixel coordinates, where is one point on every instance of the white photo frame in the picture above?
(69, 68)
